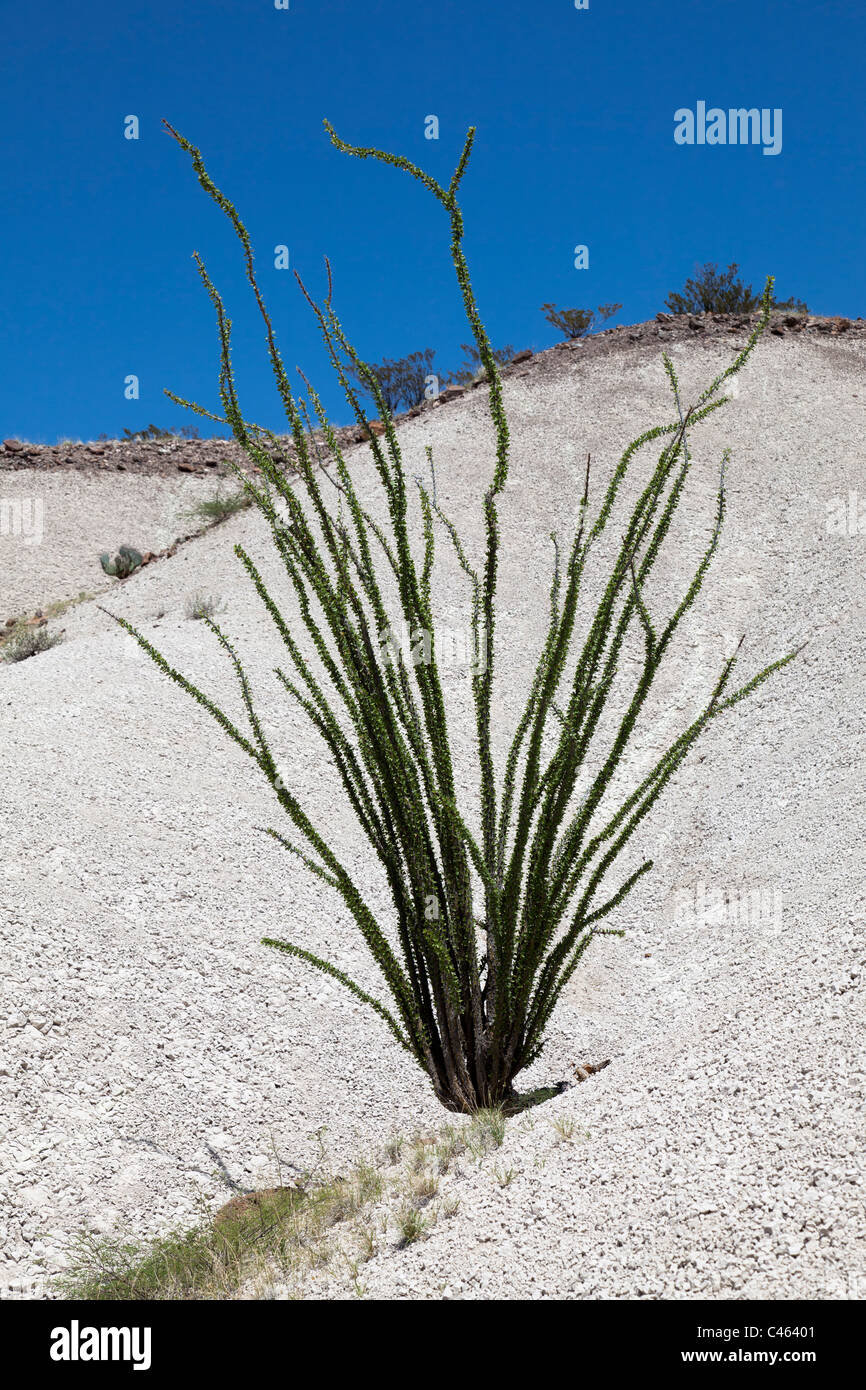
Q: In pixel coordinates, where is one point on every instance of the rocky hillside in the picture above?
(154, 1056)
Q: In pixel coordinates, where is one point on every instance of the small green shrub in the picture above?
(220, 507)
(424, 1188)
(713, 291)
(282, 1235)
(125, 562)
(577, 323)
(30, 642)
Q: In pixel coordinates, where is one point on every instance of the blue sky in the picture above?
(575, 117)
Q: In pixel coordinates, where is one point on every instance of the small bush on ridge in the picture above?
(714, 291)
(402, 382)
(577, 323)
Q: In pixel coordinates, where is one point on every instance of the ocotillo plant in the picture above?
(488, 923)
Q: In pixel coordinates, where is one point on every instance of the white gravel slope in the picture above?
(151, 1050)
(68, 519)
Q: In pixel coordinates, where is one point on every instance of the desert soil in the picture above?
(154, 1057)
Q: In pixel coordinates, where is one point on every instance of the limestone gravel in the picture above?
(155, 1056)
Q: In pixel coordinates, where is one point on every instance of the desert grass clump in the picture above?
(393, 1149)
(489, 921)
(209, 1260)
(213, 510)
(424, 1188)
(564, 1126)
(201, 605)
(412, 1226)
(486, 1131)
(279, 1241)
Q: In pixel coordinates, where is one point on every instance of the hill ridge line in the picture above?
(175, 454)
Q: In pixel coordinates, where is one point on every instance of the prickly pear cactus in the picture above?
(132, 559)
(125, 561)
